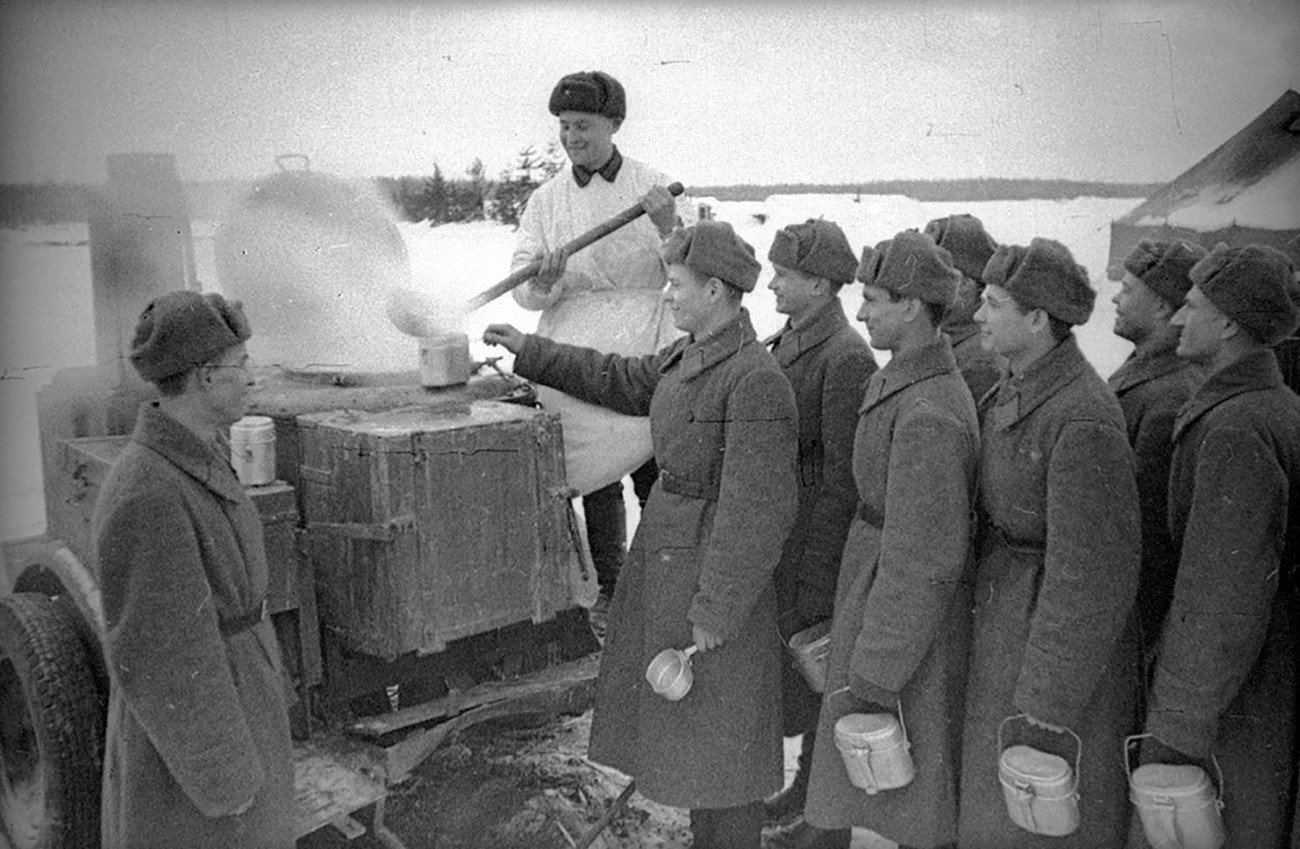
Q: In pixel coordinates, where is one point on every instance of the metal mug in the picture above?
(670, 673)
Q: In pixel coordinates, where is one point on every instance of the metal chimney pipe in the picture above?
(141, 245)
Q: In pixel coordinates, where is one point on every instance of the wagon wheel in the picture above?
(51, 729)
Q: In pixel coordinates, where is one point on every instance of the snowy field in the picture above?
(46, 316)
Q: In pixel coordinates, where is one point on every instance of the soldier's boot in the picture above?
(787, 805)
(801, 835)
(607, 539)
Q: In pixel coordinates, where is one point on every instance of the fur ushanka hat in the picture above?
(1043, 276)
(911, 265)
(183, 329)
(1255, 286)
(1163, 266)
(964, 237)
(817, 248)
(589, 91)
(713, 249)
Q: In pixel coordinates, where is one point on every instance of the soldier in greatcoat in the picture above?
(197, 745)
(828, 363)
(723, 422)
(970, 246)
(902, 610)
(1151, 385)
(1224, 694)
(1054, 654)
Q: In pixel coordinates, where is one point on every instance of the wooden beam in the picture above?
(403, 757)
(560, 676)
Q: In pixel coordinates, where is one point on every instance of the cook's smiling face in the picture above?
(587, 138)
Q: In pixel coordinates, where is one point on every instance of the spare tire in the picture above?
(51, 728)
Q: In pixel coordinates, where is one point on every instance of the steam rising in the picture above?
(421, 314)
(324, 275)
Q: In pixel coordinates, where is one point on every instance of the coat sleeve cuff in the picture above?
(1046, 697)
(869, 692)
(1182, 730)
(716, 622)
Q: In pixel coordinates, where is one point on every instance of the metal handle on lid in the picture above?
(1078, 753)
(1128, 765)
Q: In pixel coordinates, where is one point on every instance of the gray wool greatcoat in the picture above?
(828, 364)
(902, 611)
(1225, 682)
(980, 368)
(197, 722)
(723, 423)
(1151, 387)
(1052, 635)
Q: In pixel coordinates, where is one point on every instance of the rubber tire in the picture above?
(43, 655)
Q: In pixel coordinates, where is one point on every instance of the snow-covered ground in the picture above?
(46, 318)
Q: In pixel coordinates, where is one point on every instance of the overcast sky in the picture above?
(717, 93)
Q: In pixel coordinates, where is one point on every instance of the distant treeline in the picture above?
(433, 199)
(439, 199)
(973, 189)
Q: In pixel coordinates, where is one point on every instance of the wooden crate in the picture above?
(427, 525)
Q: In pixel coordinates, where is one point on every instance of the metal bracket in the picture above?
(387, 532)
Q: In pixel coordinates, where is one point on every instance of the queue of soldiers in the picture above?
(1037, 582)
(1058, 569)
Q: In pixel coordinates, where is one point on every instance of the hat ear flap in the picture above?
(869, 265)
(232, 314)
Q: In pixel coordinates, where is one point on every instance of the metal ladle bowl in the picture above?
(670, 673)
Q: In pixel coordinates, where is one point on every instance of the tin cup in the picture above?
(1040, 789)
(670, 673)
(808, 651)
(1176, 803)
(876, 751)
(252, 450)
(444, 360)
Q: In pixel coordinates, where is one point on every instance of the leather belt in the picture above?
(679, 485)
(239, 624)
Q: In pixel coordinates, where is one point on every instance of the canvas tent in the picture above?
(1245, 192)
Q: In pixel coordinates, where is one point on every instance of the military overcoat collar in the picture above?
(793, 341)
(1146, 366)
(699, 355)
(959, 333)
(1015, 397)
(181, 447)
(904, 370)
(1254, 372)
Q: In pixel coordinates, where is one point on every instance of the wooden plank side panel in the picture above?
(478, 528)
(558, 550)
(393, 624)
(471, 509)
(327, 551)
